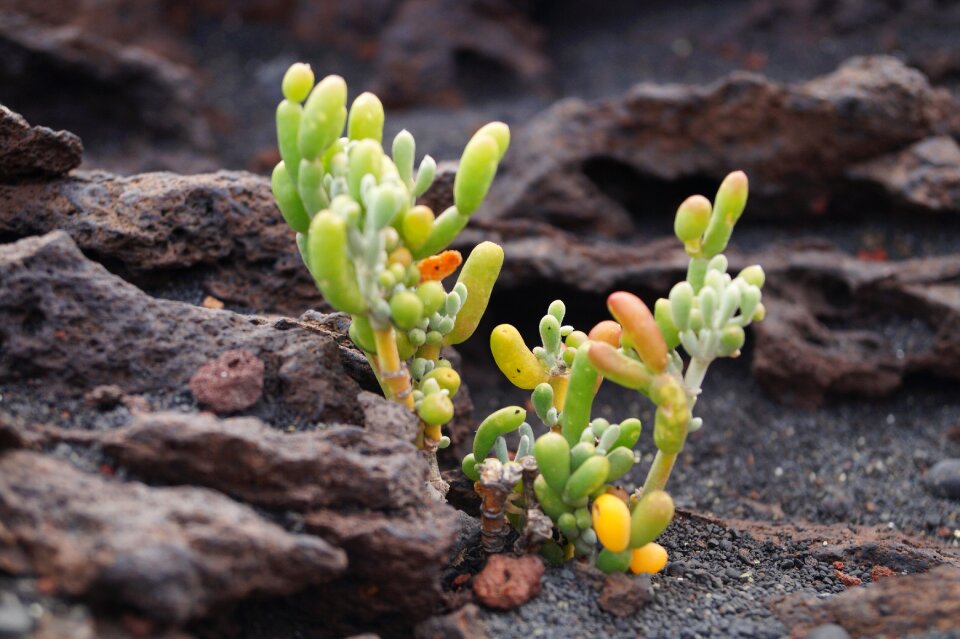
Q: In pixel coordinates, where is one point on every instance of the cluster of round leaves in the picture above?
(578, 461)
(365, 239)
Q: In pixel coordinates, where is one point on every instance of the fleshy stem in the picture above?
(429, 351)
(663, 463)
(393, 374)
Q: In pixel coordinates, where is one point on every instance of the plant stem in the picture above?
(392, 371)
(663, 463)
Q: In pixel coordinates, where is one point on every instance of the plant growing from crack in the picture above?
(376, 254)
(579, 459)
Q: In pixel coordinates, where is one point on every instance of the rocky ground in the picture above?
(189, 445)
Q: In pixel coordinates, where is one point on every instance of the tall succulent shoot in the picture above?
(580, 458)
(373, 251)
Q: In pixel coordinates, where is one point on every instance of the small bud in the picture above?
(753, 275)
(649, 559)
(406, 310)
(587, 478)
(558, 309)
(403, 152)
(692, 218)
(417, 337)
(436, 409)
(760, 313)
(366, 118)
(681, 303)
(708, 305)
(663, 314)
(432, 295)
(452, 305)
(501, 133)
(478, 165)
(553, 458)
(611, 521)
(447, 378)
(550, 333)
(416, 225)
(297, 82)
(581, 453)
(731, 340)
(425, 174)
(650, 517)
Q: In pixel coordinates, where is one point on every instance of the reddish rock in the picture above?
(230, 383)
(35, 150)
(880, 572)
(849, 581)
(625, 596)
(507, 582)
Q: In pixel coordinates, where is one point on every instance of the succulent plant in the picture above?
(373, 251)
(580, 458)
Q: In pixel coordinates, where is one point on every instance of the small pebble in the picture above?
(943, 479)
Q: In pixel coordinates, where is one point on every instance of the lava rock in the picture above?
(425, 46)
(507, 582)
(897, 607)
(925, 176)
(223, 227)
(171, 553)
(943, 479)
(792, 140)
(342, 466)
(31, 151)
(624, 596)
(230, 383)
(396, 558)
(68, 326)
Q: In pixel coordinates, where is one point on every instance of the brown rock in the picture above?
(69, 326)
(625, 596)
(170, 553)
(507, 582)
(585, 166)
(147, 93)
(880, 572)
(230, 383)
(895, 607)
(433, 47)
(342, 466)
(225, 226)
(925, 175)
(34, 150)
(396, 559)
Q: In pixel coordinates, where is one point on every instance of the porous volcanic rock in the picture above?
(835, 325)
(170, 553)
(35, 150)
(246, 459)
(582, 166)
(925, 175)
(147, 94)
(428, 47)
(895, 607)
(396, 557)
(67, 325)
(222, 228)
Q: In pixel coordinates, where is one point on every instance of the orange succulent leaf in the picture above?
(436, 267)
